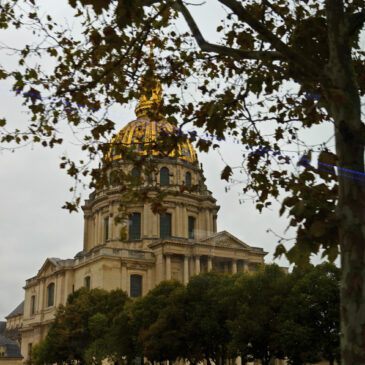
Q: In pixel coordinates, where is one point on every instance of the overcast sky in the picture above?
(33, 188)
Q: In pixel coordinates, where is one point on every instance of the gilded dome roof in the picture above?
(143, 134)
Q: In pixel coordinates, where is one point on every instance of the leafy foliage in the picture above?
(215, 317)
(279, 66)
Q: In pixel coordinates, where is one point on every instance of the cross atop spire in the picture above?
(151, 97)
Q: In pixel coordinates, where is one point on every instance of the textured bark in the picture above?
(344, 106)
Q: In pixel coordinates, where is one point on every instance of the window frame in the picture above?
(106, 229)
(50, 285)
(164, 176)
(32, 305)
(132, 288)
(169, 235)
(130, 238)
(87, 282)
(188, 180)
(193, 220)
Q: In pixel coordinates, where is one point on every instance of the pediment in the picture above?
(48, 268)
(225, 239)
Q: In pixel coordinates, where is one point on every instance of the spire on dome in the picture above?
(151, 97)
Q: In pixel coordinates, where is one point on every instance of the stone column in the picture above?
(86, 232)
(186, 269)
(245, 266)
(149, 278)
(207, 224)
(197, 265)
(124, 278)
(184, 222)
(168, 267)
(147, 229)
(41, 296)
(234, 266)
(159, 268)
(97, 229)
(58, 291)
(210, 263)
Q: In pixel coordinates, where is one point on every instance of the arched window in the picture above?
(50, 295)
(87, 282)
(164, 176)
(188, 179)
(165, 225)
(136, 286)
(135, 226)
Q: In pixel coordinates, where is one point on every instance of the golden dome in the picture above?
(144, 134)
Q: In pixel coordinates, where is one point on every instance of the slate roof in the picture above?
(12, 349)
(2, 327)
(18, 310)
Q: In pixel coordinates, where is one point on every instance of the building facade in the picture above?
(178, 244)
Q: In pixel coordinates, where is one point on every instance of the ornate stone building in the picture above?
(177, 245)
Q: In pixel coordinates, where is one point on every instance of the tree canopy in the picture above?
(215, 317)
(278, 69)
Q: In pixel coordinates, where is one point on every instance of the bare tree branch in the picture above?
(222, 50)
(297, 58)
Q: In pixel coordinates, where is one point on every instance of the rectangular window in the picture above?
(50, 301)
(165, 225)
(135, 226)
(191, 227)
(87, 282)
(106, 229)
(136, 286)
(32, 304)
(29, 350)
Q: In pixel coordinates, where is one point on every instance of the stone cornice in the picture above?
(194, 244)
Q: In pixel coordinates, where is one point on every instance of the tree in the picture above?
(165, 338)
(210, 302)
(142, 319)
(264, 47)
(256, 325)
(80, 329)
(310, 330)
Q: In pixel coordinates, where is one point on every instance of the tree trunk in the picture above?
(343, 104)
